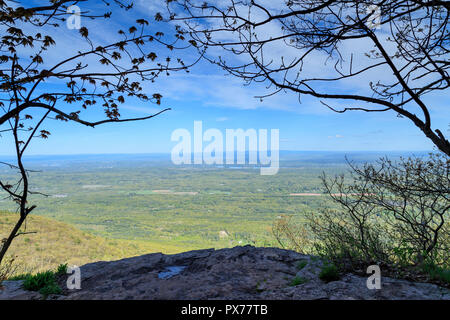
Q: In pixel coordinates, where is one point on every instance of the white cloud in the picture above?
(222, 119)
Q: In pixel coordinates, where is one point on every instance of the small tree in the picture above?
(92, 73)
(391, 212)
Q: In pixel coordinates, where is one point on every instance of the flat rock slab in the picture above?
(12, 290)
(238, 273)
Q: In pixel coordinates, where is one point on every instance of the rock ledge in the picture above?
(238, 273)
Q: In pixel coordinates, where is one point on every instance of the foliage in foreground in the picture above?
(7, 269)
(43, 282)
(396, 213)
(297, 280)
(329, 273)
(290, 235)
(437, 273)
(393, 214)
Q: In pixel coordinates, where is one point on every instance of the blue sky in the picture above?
(223, 102)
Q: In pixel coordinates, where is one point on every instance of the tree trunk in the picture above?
(11, 237)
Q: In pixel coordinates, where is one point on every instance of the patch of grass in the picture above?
(437, 273)
(301, 264)
(51, 288)
(7, 269)
(297, 280)
(329, 273)
(38, 281)
(61, 269)
(43, 282)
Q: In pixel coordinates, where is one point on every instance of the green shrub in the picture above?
(38, 281)
(301, 264)
(52, 288)
(62, 269)
(44, 283)
(391, 213)
(7, 269)
(329, 273)
(297, 280)
(436, 272)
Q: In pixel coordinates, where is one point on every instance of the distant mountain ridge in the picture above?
(287, 158)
